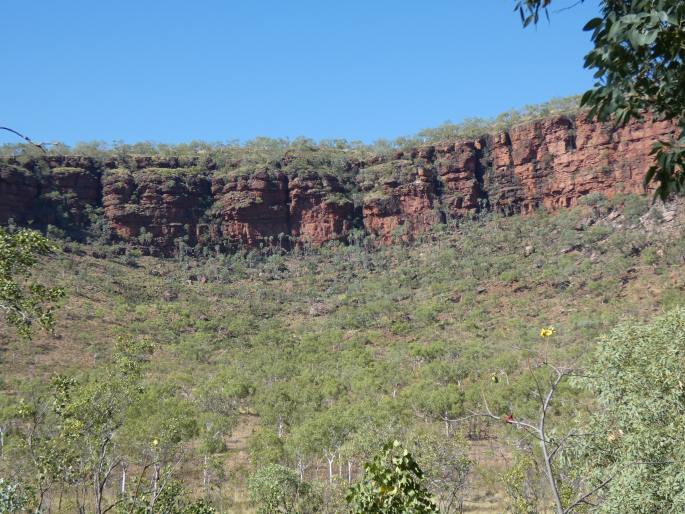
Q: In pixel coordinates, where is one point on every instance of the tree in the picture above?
(173, 499)
(639, 63)
(635, 444)
(446, 466)
(546, 386)
(392, 484)
(544, 383)
(323, 433)
(23, 302)
(441, 402)
(70, 432)
(277, 489)
(90, 416)
(158, 424)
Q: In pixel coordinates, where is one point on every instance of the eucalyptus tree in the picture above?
(278, 489)
(25, 302)
(635, 444)
(445, 464)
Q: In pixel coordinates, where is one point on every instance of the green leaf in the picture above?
(592, 24)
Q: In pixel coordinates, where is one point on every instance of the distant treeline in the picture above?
(274, 148)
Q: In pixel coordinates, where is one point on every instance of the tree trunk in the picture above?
(550, 476)
(98, 494)
(205, 475)
(155, 480)
(330, 469)
(300, 468)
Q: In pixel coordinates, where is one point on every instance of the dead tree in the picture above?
(538, 429)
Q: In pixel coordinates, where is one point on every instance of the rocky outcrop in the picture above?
(553, 163)
(249, 210)
(160, 202)
(459, 172)
(68, 192)
(402, 209)
(320, 209)
(154, 207)
(81, 185)
(19, 189)
(550, 163)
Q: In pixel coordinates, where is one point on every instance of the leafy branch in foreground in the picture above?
(23, 302)
(392, 484)
(635, 443)
(25, 138)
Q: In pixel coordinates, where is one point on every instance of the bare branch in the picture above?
(25, 138)
(583, 499)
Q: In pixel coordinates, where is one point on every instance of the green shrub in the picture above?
(275, 488)
(392, 484)
(635, 435)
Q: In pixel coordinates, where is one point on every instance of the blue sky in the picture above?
(216, 70)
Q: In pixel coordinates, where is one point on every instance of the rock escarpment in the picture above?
(160, 203)
(157, 207)
(552, 163)
(320, 209)
(249, 210)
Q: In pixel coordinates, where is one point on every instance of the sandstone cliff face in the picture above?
(155, 202)
(19, 189)
(82, 185)
(320, 210)
(549, 164)
(459, 172)
(553, 163)
(404, 205)
(154, 207)
(250, 210)
(69, 192)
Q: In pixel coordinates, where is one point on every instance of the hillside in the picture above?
(348, 345)
(309, 302)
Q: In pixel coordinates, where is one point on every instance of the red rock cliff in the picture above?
(249, 210)
(549, 163)
(157, 202)
(320, 210)
(155, 207)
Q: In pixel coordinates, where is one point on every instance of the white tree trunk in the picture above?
(330, 468)
(300, 468)
(155, 480)
(205, 474)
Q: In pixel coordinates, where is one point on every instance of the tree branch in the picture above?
(25, 138)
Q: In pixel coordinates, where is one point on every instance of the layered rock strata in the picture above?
(160, 203)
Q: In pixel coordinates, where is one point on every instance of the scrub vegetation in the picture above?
(264, 381)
